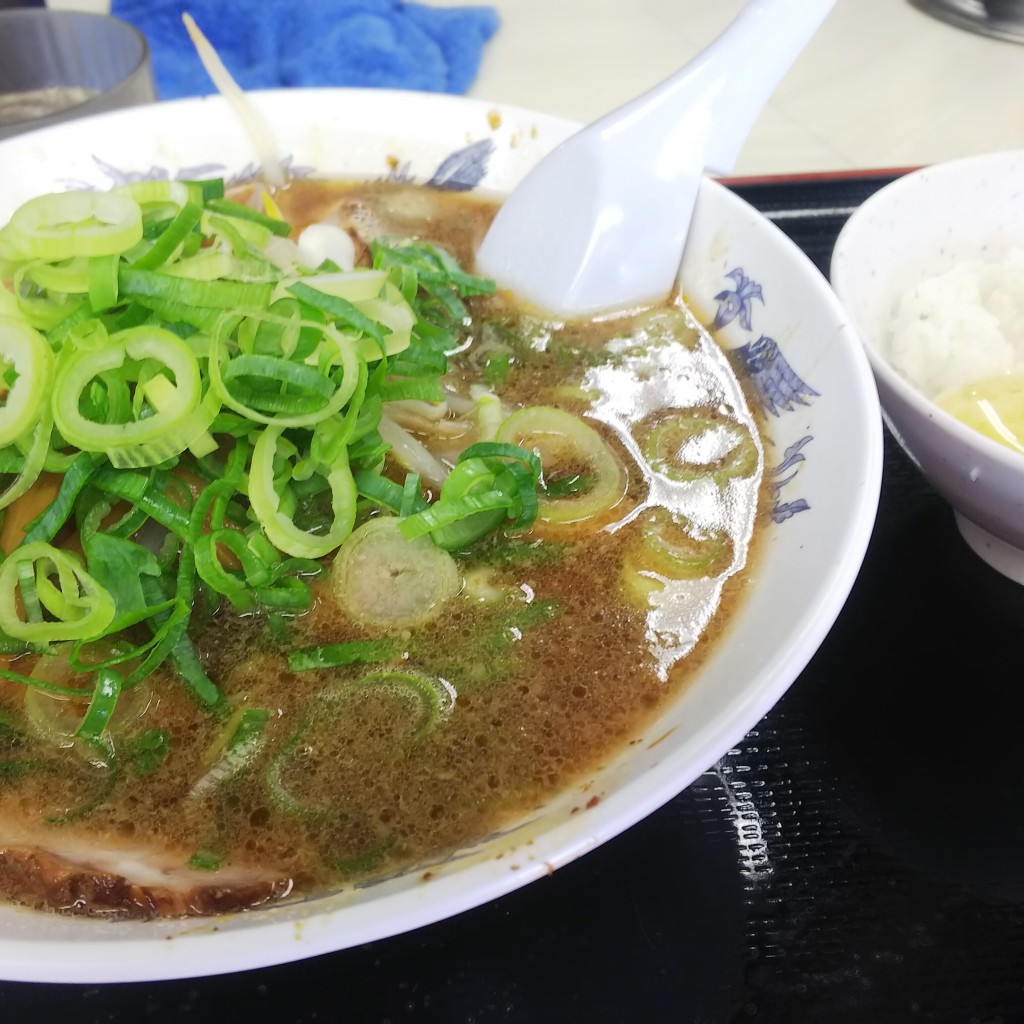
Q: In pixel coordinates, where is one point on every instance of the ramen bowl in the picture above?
(923, 224)
(804, 368)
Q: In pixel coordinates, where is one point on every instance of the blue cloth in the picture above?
(270, 43)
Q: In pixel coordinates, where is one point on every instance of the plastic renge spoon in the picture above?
(601, 222)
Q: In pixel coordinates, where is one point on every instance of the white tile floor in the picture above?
(881, 85)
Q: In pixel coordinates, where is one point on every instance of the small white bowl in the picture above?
(923, 224)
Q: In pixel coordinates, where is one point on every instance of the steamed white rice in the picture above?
(961, 326)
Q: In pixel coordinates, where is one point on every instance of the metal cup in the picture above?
(56, 65)
(1003, 19)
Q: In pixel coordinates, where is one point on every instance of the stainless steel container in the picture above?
(1003, 19)
(57, 65)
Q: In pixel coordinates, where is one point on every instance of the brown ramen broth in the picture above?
(558, 648)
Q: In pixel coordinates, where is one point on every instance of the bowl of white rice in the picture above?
(931, 272)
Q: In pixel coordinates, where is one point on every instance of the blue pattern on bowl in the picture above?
(776, 384)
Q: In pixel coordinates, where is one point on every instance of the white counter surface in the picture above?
(882, 84)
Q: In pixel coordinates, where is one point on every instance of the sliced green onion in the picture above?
(382, 578)
(355, 286)
(47, 524)
(561, 437)
(567, 486)
(171, 237)
(281, 408)
(415, 389)
(78, 369)
(351, 652)
(103, 281)
(379, 489)
(155, 192)
(146, 752)
(143, 492)
(689, 444)
(70, 275)
(240, 741)
(213, 573)
(27, 353)
(279, 527)
(492, 483)
(211, 294)
(233, 209)
(119, 566)
(102, 705)
(672, 548)
(192, 673)
(417, 704)
(503, 450)
(412, 500)
(80, 607)
(343, 311)
(34, 461)
(65, 224)
(209, 188)
(444, 513)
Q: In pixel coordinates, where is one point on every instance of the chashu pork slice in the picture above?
(73, 875)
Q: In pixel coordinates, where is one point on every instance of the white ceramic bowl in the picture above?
(823, 430)
(923, 224)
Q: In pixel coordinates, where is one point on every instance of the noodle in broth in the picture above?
(554, 647)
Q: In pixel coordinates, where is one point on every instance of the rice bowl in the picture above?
(924, 225)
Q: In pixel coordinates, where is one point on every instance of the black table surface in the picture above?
(858, 858)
